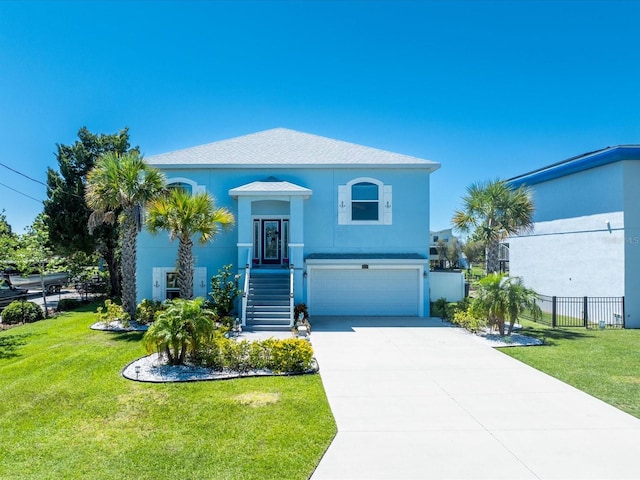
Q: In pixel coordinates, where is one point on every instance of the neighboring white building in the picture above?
(586, 238)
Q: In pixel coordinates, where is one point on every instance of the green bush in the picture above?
(438, 308)
(470, 318)
(282, 356)
(67, 304)
(291, 355)
(224, 291)
(22, 312)
(112, 312)
(147, 309)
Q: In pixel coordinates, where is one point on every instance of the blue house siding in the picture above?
(310, 201)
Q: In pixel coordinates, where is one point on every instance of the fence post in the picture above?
(553, 312)
(585, 314)
(624, 317)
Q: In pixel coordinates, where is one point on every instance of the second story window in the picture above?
(364, 201)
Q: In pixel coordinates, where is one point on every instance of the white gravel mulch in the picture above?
(514, 340)
(116, 326)
(154, 368)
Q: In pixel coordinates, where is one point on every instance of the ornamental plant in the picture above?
(224, 291)
(112, 312)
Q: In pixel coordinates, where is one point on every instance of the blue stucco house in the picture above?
(341, 227)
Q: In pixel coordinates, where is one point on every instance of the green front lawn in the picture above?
(66, 413)
(603, 363)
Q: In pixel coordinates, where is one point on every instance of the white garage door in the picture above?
(358, 291)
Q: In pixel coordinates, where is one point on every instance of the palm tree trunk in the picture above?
(128, 263)
(493, 261)
(185, 268)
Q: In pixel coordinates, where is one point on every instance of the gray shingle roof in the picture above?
(270, 187)
(284, 148)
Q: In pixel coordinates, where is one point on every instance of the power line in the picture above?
(21, 193)
(24, 175)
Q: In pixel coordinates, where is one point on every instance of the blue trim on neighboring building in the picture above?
(577, 164)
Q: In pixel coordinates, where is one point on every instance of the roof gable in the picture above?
(284, 148)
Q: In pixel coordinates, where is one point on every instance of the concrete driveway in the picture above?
(422, 400)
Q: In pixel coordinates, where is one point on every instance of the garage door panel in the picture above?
(357, 291)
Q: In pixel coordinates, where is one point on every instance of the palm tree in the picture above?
(501, 298)
(493, 211)
(118, 187)
(186, 216)
(183, 327)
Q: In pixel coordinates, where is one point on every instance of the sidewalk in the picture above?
(424, 400)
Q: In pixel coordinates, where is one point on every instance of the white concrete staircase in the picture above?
(268, 302)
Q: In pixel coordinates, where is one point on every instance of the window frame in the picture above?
(346, 203)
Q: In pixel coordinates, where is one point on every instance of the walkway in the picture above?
(426, 401)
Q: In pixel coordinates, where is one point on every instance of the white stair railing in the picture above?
(291, 292)
(245, 290)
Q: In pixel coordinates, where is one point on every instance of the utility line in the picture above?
(20, 173)
(21, 193)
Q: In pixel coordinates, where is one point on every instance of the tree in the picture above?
(66, 209)
(491, 212)
(8, 242)
(501, 297)
(181, 328)
(474, 251)
(117, 189)
(186, 216)
(454, 251)
(32, 253)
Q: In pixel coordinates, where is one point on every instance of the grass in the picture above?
(602, 363)
(67, 413)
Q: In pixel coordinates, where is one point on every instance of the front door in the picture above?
(271, 248)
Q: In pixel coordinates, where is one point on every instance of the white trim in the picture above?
(296, 245)
(244, 244)
(385, 204)
(195, 188)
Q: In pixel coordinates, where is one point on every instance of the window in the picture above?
(185, 186)
(172, 290)
(364, 201)
(185, 183)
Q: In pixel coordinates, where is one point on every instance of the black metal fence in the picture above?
(587, 312)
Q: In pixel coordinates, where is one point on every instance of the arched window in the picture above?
(364, 201)
(186, 184)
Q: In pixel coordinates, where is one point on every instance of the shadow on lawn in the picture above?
(10, 343)
(550, 336)
(131, 337)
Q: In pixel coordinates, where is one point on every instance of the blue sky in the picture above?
(487, 88)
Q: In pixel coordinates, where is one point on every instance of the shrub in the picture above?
(286, 356)
(67, 304)
(291, 355)
(438, 308)
(224, 291)
(112, 312)
(22, 312)
(147, 310)
(471, 318)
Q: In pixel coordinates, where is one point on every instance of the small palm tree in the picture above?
(186, 216)
(118, 187)
(501, 298)
(182, 328)
(491, 212)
